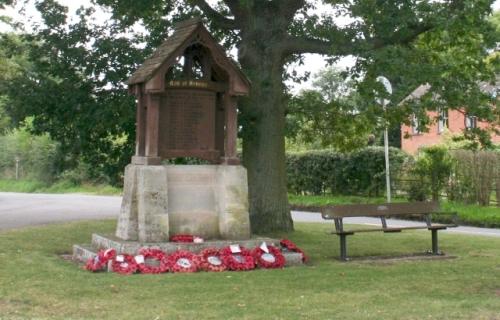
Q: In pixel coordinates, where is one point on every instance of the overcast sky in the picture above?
(313, 63)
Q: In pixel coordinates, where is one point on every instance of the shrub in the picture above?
(432, 172)
(326, 171)
(474, 175)
(36, 155)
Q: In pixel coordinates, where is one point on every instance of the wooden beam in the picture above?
(140, 125)
(231, 123)
(152, 127)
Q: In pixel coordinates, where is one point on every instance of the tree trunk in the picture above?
(263, 121)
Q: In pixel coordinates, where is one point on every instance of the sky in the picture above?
(312, 63)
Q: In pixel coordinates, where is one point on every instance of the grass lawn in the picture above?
(468, 214)
(36, 283)
(58, 187)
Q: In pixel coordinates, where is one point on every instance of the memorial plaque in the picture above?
(188, 121)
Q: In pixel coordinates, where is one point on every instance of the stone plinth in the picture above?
(210, 201)
(83, 252)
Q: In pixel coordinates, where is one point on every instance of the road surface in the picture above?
(27, 209)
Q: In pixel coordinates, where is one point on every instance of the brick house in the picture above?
(453, 121)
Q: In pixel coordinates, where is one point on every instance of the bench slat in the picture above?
(397, 229)
(386, 209)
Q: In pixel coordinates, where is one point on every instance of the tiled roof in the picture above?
(486, 87)
(181, 33)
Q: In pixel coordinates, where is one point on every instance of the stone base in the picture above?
(83, 252)
(149, 161)
(210, 201)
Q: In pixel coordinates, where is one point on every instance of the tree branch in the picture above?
(290, 7)
(298, 45)
(216, 16)
(402, 39)
(239, 12)
(342, 44)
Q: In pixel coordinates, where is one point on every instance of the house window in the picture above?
(443, 120)
(414, 125)
(470, 122)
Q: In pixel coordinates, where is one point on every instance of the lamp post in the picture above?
(388, 88)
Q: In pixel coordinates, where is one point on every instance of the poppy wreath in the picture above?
(289, 245)
(99, 262)
(259, 255)
(245, 262)
(182, 238)
(154, 254)
(182, 261)
(209, 259)
(127, 266)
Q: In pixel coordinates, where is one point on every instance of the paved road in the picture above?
(25, 209)
(316, 217)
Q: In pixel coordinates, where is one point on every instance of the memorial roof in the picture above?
(184, 32)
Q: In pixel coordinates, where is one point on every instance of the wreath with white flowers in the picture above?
(151, 254)
(273, 259)
(240, 261)
(124, 264)
(209, 259)
(182, 261)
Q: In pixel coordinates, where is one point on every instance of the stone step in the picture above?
(132, 247)
(83, 252)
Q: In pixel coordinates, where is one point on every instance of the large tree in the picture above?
(401, 39)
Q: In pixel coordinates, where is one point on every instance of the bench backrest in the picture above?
(378, 210)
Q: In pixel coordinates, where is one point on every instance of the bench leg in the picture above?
(343, 247)
(435, 248)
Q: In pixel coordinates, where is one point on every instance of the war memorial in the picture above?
(186, 98)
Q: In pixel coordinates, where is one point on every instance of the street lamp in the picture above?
(388, 88)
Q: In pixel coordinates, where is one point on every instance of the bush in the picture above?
(474, 174)
(36, 155)
(431, 171)
(357, 173)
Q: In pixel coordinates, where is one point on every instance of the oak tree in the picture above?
(83, 65)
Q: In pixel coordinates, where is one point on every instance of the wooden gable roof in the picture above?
(182, 37)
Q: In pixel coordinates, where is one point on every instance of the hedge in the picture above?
(327, 171)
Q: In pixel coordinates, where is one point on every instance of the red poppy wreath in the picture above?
(151, 254)
(182, 261)
(209, 259)
(273, 259)
(290, 246)
(124, 264)
(182, 238)
(99, 262)
(239, 261)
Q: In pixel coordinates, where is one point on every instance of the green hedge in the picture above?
(327, 171)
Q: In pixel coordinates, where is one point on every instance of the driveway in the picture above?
(28, 209)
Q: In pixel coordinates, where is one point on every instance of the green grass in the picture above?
(473, 215)
(333, 200)
(36, 283)
(58, 187)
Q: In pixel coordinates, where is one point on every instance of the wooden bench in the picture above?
(383, 211)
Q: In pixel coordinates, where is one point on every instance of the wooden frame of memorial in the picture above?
(186, 99)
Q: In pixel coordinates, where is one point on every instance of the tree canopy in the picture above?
(75, 86)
